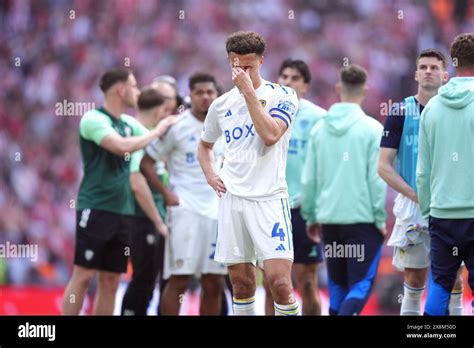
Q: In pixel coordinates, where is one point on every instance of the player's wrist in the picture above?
(248, 92)
(157, 224)
(413, 196)
(167, 193)
(211, 177)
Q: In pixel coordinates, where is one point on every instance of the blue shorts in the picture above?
(452, 241)
(352, 254)
(306, 251)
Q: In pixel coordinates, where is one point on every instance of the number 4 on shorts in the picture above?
(278, 232)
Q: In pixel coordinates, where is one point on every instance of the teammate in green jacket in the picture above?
(105, 199)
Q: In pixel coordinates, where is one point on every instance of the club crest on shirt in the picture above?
(263, 102)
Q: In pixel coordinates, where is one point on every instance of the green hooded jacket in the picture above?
(445, 167)
(340, 180)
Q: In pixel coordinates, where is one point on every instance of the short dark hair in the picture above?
(299, 65)
(245, 42)
(149, 98)
(435, 53)
(353, 75)
(462, 50)
(111, 77)
(201, 77)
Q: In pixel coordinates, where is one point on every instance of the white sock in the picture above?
(286, 310)
(455, 303)
(245, 306)
(411, 303)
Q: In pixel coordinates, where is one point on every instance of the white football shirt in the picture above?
(251, 169)
(179, 149)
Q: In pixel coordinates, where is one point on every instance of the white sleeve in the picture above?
(211, 130)
(159, 149)
(286, 106)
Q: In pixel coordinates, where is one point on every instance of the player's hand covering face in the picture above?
(245, 70)
(242, 79)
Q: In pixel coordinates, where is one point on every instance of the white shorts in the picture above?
(416, 256)
(190, 247)
(253, 231)
(411, 243)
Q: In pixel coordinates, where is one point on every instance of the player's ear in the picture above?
(445, 76)
(120, 89)
(416, 75)
(260, 60)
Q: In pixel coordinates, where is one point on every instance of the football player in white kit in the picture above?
(192, 206)
(254, 228)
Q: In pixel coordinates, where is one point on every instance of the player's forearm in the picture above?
(308, 202)
(144, 197)
(424, 193)
(378, 194)
(265, 125)
(206, 160)
(377, 186)
(308, 186)
(423, 185)
(388, 173)
(132, 144)
(147, 167)
(423, 171)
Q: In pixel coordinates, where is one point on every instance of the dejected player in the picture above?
(255, 118)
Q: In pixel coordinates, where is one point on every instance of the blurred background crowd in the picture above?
(51, 51)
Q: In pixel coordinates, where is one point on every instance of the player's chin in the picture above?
(205, 107)
(430, 84)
